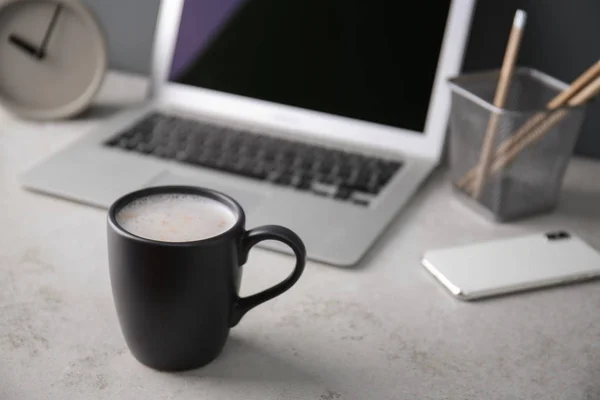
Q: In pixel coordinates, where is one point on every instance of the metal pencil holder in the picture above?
(531, 149)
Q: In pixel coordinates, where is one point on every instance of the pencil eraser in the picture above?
(520, 18)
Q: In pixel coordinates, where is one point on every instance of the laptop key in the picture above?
(361, 202)
(343, 193)
(303, 183)
(373, 186)
(344, 172)
(284, 179)
(260, 173)
(327, 180)
(369, 185)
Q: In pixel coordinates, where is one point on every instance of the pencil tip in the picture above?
(520, 18)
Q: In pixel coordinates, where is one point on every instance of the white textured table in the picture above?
(385, 330)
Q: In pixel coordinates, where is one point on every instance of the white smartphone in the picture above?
(510, 265)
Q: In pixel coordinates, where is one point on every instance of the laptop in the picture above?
(324, 116)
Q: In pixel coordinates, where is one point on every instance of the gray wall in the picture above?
(562, 39)
(129, 25)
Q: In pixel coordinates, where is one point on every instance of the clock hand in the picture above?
(41, 51)
(23, 45)
(37, 52)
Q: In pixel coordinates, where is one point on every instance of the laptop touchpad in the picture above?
(248, 200)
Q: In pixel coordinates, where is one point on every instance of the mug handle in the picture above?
(269, 232)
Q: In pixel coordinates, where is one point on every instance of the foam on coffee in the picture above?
(175, 217)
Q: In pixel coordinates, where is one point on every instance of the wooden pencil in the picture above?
(506, 73)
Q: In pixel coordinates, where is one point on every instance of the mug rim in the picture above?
(222, 198)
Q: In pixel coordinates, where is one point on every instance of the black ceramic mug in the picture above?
(177, 300)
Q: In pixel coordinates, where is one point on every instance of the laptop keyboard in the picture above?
(344, 176)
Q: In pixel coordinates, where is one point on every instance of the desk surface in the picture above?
(385, 330)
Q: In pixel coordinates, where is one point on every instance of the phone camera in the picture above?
(558, 235)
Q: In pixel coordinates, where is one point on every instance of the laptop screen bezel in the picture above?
(426, 144)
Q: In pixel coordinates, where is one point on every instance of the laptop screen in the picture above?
(371, 60)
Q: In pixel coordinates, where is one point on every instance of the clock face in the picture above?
(52, 57)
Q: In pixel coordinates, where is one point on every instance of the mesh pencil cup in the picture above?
(531, 148)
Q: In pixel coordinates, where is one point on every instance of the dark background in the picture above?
(562, 39)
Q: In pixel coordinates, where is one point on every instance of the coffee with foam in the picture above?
(175, 217)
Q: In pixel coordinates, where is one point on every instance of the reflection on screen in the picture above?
(372, 60)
